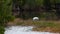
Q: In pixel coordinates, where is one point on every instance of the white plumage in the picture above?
(35, 18)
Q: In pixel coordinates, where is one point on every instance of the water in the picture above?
(23, 30)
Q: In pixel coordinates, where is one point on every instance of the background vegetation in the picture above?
(5, 14)
(31, 8)
(27, 9)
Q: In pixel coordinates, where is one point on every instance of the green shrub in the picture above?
(2, 29)
(5, 13)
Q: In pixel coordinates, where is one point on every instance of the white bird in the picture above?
(35, 18)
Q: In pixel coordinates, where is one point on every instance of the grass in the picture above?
(48, 26)
(42, 26)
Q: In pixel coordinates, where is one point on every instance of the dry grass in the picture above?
(42, 25)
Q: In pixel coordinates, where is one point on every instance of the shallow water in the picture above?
(23, 30)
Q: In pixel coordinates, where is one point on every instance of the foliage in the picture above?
(5, 13)
(39, 2)
(2, 29)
